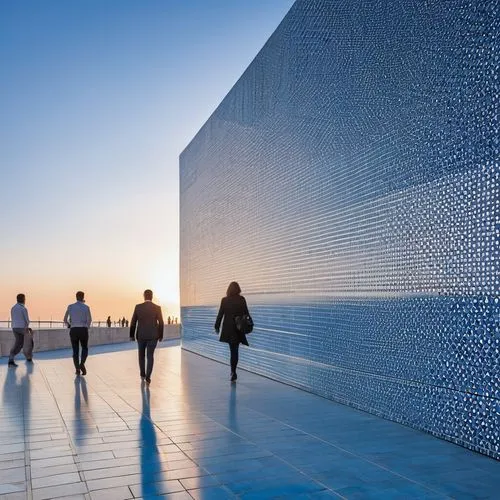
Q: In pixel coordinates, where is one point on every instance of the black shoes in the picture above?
(233, 376)
(83, 369)
(77, 372)
(148, 380)
(14, 364)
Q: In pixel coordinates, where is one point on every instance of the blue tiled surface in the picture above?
(194, 435)
(350, 183)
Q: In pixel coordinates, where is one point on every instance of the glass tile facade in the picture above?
(350, 183)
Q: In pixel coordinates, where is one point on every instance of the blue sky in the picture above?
(98, 99)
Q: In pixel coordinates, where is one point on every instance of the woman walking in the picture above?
(231, 306)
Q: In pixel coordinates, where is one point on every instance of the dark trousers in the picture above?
(234, 348)
(146, 347)
(22, 340)
(79, 335)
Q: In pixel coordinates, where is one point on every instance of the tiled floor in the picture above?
(194, 435)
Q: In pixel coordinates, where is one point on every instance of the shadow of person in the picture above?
(233, 413)
(26, 391)
(16, 403)
(85, 394)
(80, 419)
(11, 396)
(150, 456)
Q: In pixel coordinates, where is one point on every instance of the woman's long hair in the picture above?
(233, 289)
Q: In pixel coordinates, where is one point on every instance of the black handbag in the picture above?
(244, 324)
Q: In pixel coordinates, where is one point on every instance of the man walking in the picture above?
(22, 332)
(148, 321)
(79, 319)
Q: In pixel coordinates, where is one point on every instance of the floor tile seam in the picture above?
(27, 450)
(129, 489)
(192, 410)
(313, 436)
(300, 472)
(220, 486)
(105, 402)
(370, 411)
(223, 487)
(259, 447)
(309, 434)
(68, 434)
(27, 473)
(140, 413)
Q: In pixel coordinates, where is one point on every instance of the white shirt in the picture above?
(78, 314)
(19, 316)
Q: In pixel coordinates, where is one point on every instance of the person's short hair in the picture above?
(80, 296)
(233, 289)
(21, 298)
(148, 295)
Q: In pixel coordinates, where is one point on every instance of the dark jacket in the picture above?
(229, 308)
(148, 319)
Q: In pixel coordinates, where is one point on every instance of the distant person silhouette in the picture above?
(79, 319)
(147, 326)
(23, 334)
(126, 323)
(123, 322)
(169, 320)
(232, 305)
(108, 322)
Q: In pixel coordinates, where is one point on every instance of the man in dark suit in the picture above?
(148, 321)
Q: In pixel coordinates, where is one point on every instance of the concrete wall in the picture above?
(50, 339)
(350, 182)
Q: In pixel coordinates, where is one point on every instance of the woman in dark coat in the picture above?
(232, 305)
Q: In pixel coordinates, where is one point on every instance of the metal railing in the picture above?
(48, 324)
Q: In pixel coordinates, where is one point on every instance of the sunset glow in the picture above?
(98, 101)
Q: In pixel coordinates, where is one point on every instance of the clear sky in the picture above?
(98, 98)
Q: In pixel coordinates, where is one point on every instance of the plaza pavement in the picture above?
(194, 435)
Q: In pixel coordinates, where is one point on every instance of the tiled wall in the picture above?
(350, 182)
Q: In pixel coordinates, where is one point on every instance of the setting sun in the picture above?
(165, 286)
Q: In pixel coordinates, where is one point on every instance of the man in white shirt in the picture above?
(22, 332)
(79, 319)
